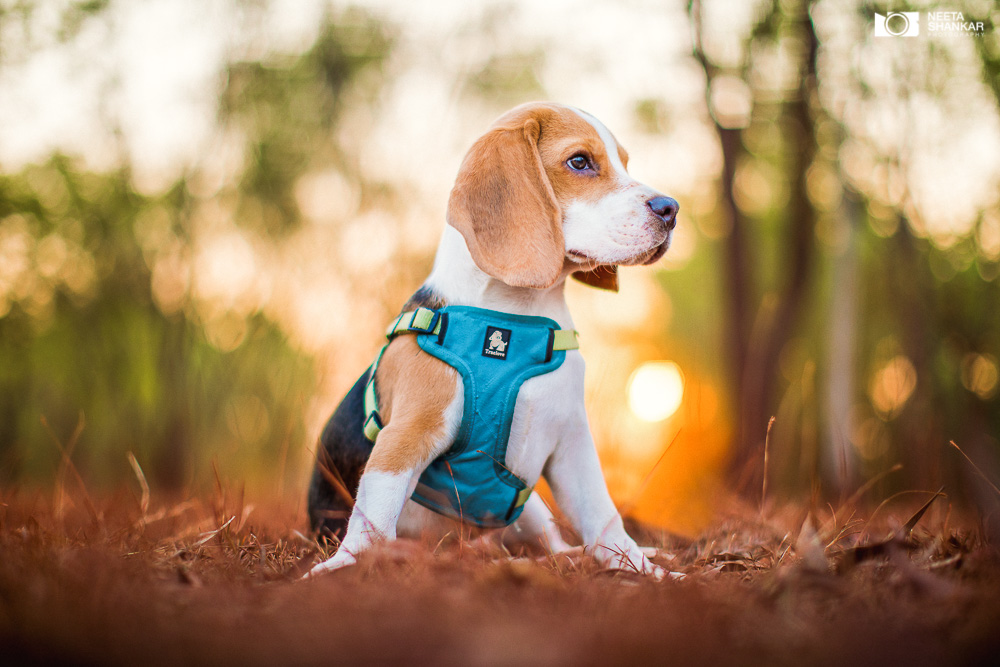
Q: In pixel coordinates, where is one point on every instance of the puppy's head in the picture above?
(545, 190)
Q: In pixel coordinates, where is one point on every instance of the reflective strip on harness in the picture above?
(373, 422)
(421, 320)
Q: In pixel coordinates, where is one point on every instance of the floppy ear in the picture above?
(603, 277)
(503, 205)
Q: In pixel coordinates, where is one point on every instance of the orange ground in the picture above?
(111, 584)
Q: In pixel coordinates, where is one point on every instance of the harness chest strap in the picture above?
(427, 321)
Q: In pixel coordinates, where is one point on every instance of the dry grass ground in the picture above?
(213, 580)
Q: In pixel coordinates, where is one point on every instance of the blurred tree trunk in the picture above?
(798, 261)
(737, 278)
(921, 438)
(983, 447)
(737, 274)
(754, 354)
(839, 465)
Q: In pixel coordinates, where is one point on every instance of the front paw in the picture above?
(629, 557)
(343, 558)
(628, 560)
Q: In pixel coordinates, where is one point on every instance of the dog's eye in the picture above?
(578, 163)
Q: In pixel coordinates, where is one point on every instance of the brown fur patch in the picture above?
(603, 277)
(503, 205)
(565, 134)
(414, 389)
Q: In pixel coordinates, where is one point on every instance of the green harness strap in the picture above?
(427, 321)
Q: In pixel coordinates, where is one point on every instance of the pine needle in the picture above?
(143, 484)
(866, 487)
(767, 448)
(66, 465)
(625, 509)
(973, 464)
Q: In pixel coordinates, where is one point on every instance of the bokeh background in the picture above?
(210, 210)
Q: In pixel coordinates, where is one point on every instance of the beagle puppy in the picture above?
(461, 434)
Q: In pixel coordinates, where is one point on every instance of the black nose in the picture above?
(666, 209)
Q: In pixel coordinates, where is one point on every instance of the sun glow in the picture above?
(655, 390)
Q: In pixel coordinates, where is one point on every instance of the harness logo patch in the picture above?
(496, 342)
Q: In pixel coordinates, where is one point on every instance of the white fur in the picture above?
(549, 432)
(376, 511)
(587, 232)
(610, 145)
(537, 523)
(383, 497)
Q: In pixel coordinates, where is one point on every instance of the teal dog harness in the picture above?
(495, 353)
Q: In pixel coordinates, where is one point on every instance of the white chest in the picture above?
(549, 407)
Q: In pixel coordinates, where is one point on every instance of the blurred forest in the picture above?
(827, 277)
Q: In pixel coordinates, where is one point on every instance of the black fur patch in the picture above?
(340, 459)
(424, 297)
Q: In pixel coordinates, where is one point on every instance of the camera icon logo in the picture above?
(897, 24)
